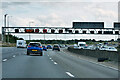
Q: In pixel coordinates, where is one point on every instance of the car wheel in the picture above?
(58, 50)
(28, 53)
(41, 54)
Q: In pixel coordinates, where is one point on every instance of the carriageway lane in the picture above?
(8, 52)
(81, 68)
(24, 66)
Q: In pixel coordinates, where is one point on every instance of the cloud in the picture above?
(62, 13)
(60, 0)
(9, 4)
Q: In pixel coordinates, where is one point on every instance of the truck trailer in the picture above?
(21, 44)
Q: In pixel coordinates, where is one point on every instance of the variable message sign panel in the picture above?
(88, 25)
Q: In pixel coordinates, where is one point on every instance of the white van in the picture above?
(81, 45)
(21, 44)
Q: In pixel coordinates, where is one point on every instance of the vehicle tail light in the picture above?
(29, 46)
(40, 46)
(86, 45)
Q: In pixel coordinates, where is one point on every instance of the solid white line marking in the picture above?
(5, 60)
(14, 56)
(69, 74)
(55, 63)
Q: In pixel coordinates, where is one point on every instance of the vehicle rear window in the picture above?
(55, 45)
(35, 44)
(20, 43)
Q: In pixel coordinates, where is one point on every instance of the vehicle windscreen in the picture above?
(35, 44)
(81, 44)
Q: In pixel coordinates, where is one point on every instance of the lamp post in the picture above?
(8, 22)
(29, 28)
(5, 18)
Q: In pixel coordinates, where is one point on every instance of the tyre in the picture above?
(41, 54)
(58, 50)
(28, 53)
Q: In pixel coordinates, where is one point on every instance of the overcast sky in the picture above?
(59, 13)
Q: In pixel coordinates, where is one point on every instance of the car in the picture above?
(35, 48)
(62, 46)
(66, 45)
(103, 48)
(81, 45)
(76, 46)
(44, 47)
(56, 47)
(49, 47)
(111, 49)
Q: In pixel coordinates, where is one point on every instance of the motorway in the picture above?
(53, 64)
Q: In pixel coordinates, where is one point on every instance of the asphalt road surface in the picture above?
(53, 64)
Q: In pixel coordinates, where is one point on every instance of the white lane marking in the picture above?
(55, 63)
(4, 60)
(48, 55)
(50, 58)
(69, 74)
(14, 56)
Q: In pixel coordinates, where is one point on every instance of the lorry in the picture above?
(21, 44)
(81, 45)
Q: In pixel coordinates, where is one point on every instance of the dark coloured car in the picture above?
(49, 47)
(35, 48)
(44, 47)
(56, 47)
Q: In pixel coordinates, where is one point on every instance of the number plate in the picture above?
(34, 50)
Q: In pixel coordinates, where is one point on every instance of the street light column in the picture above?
(4, 35)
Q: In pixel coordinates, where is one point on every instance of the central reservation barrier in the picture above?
(114, 56)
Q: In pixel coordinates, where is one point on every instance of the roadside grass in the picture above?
(8, 45)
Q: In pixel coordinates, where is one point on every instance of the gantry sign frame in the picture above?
(57, 30)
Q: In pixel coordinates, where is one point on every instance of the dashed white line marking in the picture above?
(4, 60)
(50, 58)
(69, 74)
(55, 63)
(14, 56)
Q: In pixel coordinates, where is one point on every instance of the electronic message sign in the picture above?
(88, 25)
(117, 25)
(29, 30)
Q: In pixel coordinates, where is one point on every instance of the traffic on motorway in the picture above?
(36, 60)
(99, 46)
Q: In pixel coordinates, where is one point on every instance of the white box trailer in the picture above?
(21, 44)
(81, 45)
